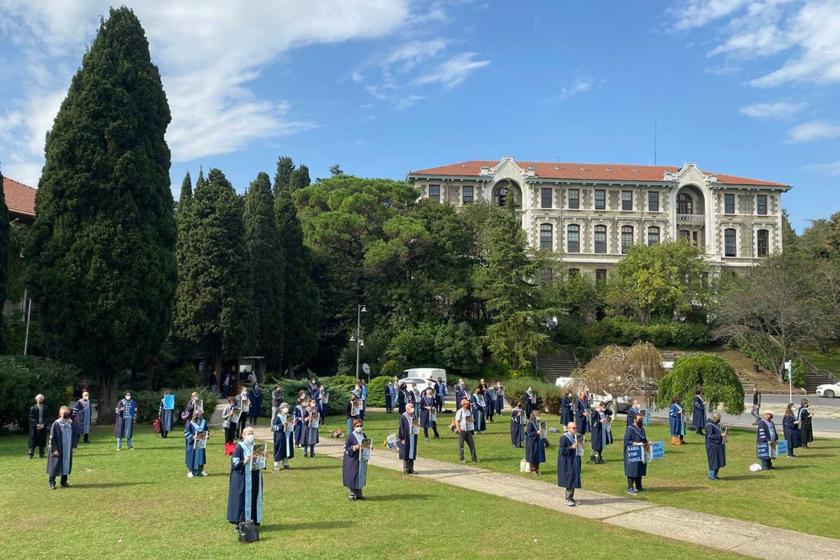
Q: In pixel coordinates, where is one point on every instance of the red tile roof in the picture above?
(586, 172)
(20, 198)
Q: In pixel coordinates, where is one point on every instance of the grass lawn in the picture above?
(801, 494)
(139, 504)
(828, 360)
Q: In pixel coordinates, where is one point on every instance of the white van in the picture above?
(421, 376)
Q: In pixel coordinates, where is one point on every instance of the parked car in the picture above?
(421, 376)
(618, 404)
(829, 390)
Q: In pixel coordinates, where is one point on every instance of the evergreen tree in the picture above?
(4, 257)
(215, 305)
(101, 263)
(283, 175)
(263, 245)
(336, 170)
(300, 178)
(186, 191)
(301, 305)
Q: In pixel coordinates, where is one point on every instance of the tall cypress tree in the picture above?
(101, 263)
(215, 308)
(4, 256)
(186, 191)
(300, 178)
(283, 175)
(263, 245)
(301, 305)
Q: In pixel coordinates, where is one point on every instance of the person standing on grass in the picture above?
(255, 396)
(479, 405)
(195, 441)
(38, 415)
(698, 419)
(568, 463)
(766, 434)
(806, 429)
(676, 422)
(715, 446)
(461, 391)
(582, 413)
(530, 401)
(299, 414)
(464, 426)
(634, 410)
(489, 402)
(441, 394)
(312, 421)
(567, 413)
(60, 461)
(428, 414)
(402, 398)
(354, 463)
(791, 430)
(352, 411)
(635, 436)
(408, 435)
(276, 399)
(245, 487)
(534, 443)
(517, 426)
(284, 439)
(226, 384)
(230, 421)
(500, 398)
(80, 413)
(243, 402)
(601, 433)
(165, 415)
(126, 412)
(323, 402)
(756, 405)
(389, 397)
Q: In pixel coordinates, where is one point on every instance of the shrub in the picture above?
(183, 376)
(376, 390)
(148, 402)
(625, 332)
(549, 396)
(714, 374)
(23, 377)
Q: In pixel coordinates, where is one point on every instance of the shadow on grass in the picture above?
(396, 497)
(317, 468)
(108, 484)
(807, 455)
(739, 477)
(305, 526)
(672, 489)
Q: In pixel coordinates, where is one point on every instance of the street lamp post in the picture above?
(358, 337)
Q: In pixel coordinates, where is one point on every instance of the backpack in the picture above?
(230, 447)
(248, 532)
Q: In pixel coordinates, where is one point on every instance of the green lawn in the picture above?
(828, 360)
(139, 504)
(801, 494)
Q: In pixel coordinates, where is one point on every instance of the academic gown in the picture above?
(581, 420)
(310, 432)
(715, 448)
(245, 492)
(634, 435)
(529, 404)
(425, 415)
(35, 435)
(194, 458)
(566, 414)
(517, 435)
(500, 400)
(478, 413)
(389, 397)
(255, 396)
(806, 430)
(408, 451)
(568, 463)
(61, 440)
(353, 468)
(676, 423)
(401, 401)
(490, 402)
(165, 418)
(77, 414)
(698, 419)
(601, 432)
(126, 412)
(298, 427)
(534, 444)
(793, 436)
(631, 415)
(284, 441)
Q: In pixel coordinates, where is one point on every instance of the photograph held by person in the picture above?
(354, 463)
(635, 436)
(791, 430)
(766, 434)
(601, 432)
(61, 445)
(464, 427)
(534, 443)
(676, 422)
(408, 435)
(245, 489)
(806, 429)
(428, 414)
(568, 463)
(715, 446)
(582, 414)
(698, 419)
(126, 412)
(312, 424)
(517, 426)
(195, 453)
(284, 438)
(38, 415)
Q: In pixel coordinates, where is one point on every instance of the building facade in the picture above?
(589, 215)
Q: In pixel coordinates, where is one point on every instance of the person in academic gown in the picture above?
(407, 439)
(353, 465)
(195, 457)
(676, 422)
(791, 429)
(80, 413)
(500, 398)
(633, 411)
(517, 426)
(243, 402)
(489, 402)
(165, 416)
(61, 445)
(298, 414)
(245, 493)
(284, 440)
(126, 412)
(601, 432)
(698, 419)
(352, 411)
(534, 443)
(230, 422)
(806, 430)
(766, 433)
(255, 396)
(389, 397)
(568, 463)
(582, 414)
(461, 392)
(428, 414)
(38, 417)
(635, 436)
(478, 405)
(402, 398)
(441, 394)
(715, 446)
(530, 401)
(567, 408)
(413, 398)
(312, 424)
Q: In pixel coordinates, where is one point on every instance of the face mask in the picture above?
(66, 415)
(249, 439)
(358, 429)
(128, 397)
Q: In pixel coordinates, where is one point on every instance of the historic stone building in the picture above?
(590, 214)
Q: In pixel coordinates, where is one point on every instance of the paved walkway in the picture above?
(721, 533)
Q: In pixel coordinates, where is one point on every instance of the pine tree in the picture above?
(283, 175)
(215, 305)
(301, 306)
(4, 256)
(101, 262)
(300, 178)
(263, 245)
(186, 191)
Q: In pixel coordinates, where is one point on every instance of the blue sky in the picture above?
(744, 87)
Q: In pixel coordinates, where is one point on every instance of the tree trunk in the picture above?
(107, 397)
(218, 363)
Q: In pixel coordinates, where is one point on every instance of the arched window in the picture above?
(685, 204)
(626, 238)
(573, 238)
(730, 243)
(653, 235)
(546, 237)
(600, 239)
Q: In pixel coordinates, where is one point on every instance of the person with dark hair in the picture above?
(500, 398)
(230, 420)
(126, 412)
(195, 442)
(534, 443)
(715, 446)
(530, 399)
(284, 440)
(489, 402)
(461, 392)
(389, 397)
(791, 430)
(428, 414)
(517, 426)
(38, 415)
(582, 413)
(635, 467)
(601, 432)
(464, 427)
(567, 413)
(323, 402)
(165, 415)
(407, 435)
(441, 394)
(354, 462)
(806, 430)
(766, 435)
(698, 419)
(299, 414)
(478, 407)
(568, 463)
(255, 396)
(402, 398)
(634, 410)
(60, 462)
(312, 421)
(676, 422)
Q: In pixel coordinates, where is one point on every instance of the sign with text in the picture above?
(657, 449)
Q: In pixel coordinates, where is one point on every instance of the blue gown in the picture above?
(353, 468)
(245, 492)
(517, 427)
(698, 419)
(676, 422)
(581, 419)
(634, 435)
(534, 445)
(194, 458)
(601, 432)
(715, 448)
(284, 441)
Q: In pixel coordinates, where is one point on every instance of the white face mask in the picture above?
(358, 429)
(128, 397)
(284, 411)
(249, 438)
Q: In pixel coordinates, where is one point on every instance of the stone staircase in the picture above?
(554, 362)
(815, 378)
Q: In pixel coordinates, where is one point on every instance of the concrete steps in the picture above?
(815, 378)
(554, 362)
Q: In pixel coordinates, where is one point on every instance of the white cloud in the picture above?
(775, 110)
(452, 71)
(830, 169)
(812, 131)
(697, 13)
(578, 86)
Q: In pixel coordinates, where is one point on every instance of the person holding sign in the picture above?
(245, 492)
(517, 426)
(428, 414)
(715, 446)
(167, 407)
(534, 443)
(635, 444)
(766, 438)
(676, 422)
(126, 412)
(582, 413)
(357, 448)
(284, 439)
(464, 427)
(62, 443)
(601, 433)
(195, 445)
(568, 463)
(791, 430)
(408, 435)
(698, 419)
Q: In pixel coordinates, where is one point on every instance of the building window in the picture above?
(653, 235)
(467, 194)
(626, 238)
(685, 234)
(653, 202)
(728, 203)
(600, 275)
(574, 199)
(762, 243)
(434, 192)
(684, 204)
(600, 239)
(600, 199)
(573, 238)
(729, 238)
(574, 272)
(546, 241)
(546, 275)
(761, 204)
(545, 198)
(627, 200)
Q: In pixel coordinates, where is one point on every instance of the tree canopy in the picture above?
(714, 374)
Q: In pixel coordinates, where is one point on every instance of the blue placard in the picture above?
(782, 447)
(169, 402)
(634, 454)
(657, 449)
(762, 451)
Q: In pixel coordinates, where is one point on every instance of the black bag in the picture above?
(248, 532)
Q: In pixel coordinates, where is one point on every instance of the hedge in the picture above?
(148, 402)
(23, 377)
(549, 397)
(625, 332)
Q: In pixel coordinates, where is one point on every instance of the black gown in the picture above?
(634, 435)
(715, 448)
(245, 494)
(568, 463)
